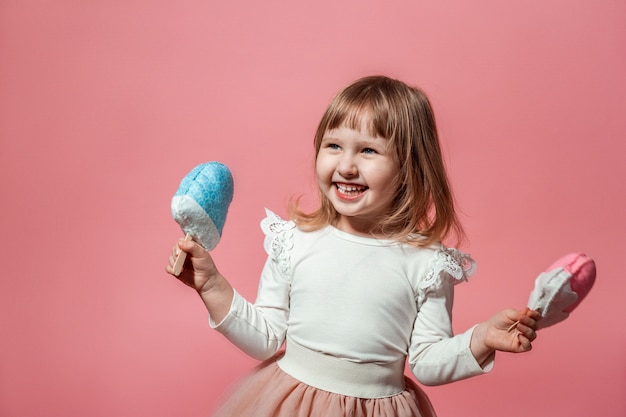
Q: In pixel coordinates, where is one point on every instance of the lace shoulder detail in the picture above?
(458, 265)
(278, 239)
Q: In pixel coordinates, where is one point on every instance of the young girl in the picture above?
(362, 283)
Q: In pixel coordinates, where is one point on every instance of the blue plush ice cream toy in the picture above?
(201, 203)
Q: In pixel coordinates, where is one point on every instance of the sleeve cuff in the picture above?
(236, 299)
(470, 361)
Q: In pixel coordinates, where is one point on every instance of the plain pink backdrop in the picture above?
(106, 105)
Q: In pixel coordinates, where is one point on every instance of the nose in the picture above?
(347, 166)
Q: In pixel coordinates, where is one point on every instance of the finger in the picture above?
(195, 250)
(525, 344)
(536, 315)
(179, 263)
(512, 326)
(175, 251)
(168, 269)
(174, 255)
(170, 261)
(528, 332)
(190, 247)
(529, 322)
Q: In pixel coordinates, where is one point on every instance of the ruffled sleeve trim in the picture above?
(278, 240)
(453, 262)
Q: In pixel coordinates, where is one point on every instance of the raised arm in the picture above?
(257, 329)
(201, 274)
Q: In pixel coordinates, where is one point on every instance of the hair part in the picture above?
(423, 210)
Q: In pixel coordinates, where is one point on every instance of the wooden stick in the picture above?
(512, 326)
(180, 259)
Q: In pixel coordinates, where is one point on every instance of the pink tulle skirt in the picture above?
(270, 392)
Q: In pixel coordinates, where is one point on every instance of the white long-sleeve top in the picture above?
(359, 299)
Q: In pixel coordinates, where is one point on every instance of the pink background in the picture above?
(106, 105)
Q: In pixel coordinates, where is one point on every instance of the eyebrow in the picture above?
(376, 142)
(369, 140)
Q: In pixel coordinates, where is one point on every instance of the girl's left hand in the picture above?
(497, 333)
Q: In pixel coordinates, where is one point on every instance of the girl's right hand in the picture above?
(201, 274)
(199, 268)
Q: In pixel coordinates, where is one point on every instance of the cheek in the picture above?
(322, 168)
(319, 175)
(389, 188)
(384, 176)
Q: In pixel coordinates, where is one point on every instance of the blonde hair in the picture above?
(423, 209)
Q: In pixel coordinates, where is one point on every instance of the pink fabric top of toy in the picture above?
(561, 288)
(583, 270)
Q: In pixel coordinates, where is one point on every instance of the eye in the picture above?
(369, 151)
(333, 146)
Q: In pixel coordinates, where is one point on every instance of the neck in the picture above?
(360, 228)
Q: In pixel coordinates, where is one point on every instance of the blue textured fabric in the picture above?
(211, 186)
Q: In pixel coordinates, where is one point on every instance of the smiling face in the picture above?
(357, 173)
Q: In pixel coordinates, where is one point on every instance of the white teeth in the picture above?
(350, 189)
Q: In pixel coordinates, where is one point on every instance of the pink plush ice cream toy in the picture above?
(560, 289)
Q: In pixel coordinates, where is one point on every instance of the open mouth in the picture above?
(350, 191)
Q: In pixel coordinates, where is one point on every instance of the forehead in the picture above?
(361, 119)
(360, 133)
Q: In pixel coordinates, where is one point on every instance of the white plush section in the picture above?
(194, 220)
(552, 294)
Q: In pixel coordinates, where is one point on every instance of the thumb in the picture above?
(189, 246)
